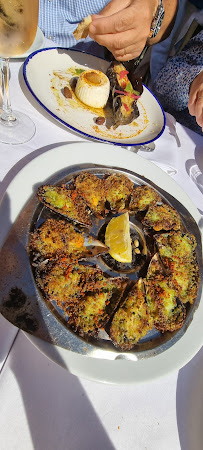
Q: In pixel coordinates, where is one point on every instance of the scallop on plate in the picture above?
(56, 78)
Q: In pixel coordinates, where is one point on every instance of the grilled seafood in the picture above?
(175, 245)
(84, 293)
(123, 97)
(65, 201)
(89, 298)
(167, 311)
(118, 188)
(132, 321)
(95, 310)
(184, 276)
(155, 268)
(61, 282)
(142, 197)
(58, 238)
(162, 217)
(177, 251)
(91, 189)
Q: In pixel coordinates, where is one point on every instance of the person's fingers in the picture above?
(199, 111)
(126, 57)
(115, 6)
(192, 97)
(195, 99)
(123, 27)
(144, 9)
(119, 22)
(195, 103)
(128, 53)
(196, 90)
(119, 50)
(195, 106)
(199, 120)
(122, 43)
(191, 105)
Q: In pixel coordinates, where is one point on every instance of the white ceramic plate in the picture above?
(121, 370)
(37, 44)
(46, 72)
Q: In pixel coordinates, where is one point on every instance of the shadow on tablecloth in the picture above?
(189, 404)
(58, 411)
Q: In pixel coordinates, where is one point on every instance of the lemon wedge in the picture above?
(117, 238)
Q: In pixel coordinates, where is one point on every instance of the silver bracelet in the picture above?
(157, 20)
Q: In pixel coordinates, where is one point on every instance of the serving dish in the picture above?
(47, 71)
(96, 363)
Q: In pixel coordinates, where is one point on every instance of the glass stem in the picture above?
(7, 113)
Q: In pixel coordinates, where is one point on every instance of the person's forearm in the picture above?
(171, 8)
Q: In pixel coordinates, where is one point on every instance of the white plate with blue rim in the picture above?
(48, 71)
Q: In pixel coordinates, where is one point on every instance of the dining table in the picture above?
(45, 405)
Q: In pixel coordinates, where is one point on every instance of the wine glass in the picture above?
(18, 26)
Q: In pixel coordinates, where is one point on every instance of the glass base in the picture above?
(17, 132)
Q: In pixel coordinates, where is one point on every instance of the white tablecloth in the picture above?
(42, 405)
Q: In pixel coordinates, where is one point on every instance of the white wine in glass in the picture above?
(18, 27)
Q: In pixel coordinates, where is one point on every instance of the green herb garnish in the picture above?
(79, 71)
(136, 92)
(128, 88)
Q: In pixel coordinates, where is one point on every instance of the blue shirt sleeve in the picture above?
(59, 18)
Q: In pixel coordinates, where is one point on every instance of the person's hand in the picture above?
(123, 27)
(195, 104)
